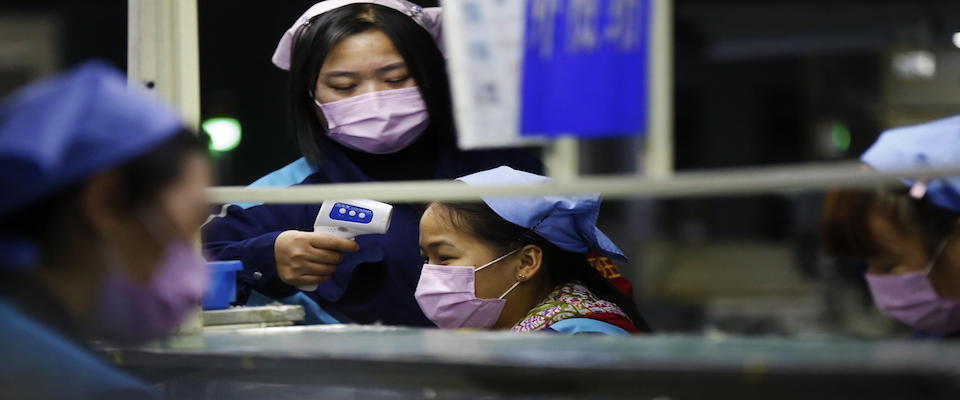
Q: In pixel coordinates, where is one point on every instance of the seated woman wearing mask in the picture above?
(370, 101)
(907, 237)
(102, 194)
(519, 263)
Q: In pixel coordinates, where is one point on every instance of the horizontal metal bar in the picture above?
(725, 182)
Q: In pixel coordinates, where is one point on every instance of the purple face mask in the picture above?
(129, 312)
(379, 122)
(446, 295)
(912, 300)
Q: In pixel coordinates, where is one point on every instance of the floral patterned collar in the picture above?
(571, 300)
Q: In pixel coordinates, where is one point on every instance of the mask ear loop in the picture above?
(937, 254)
(515, 284)
(531, 234)
(518, 282)
(496, 260)
(314, 98)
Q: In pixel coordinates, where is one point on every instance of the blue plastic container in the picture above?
(222, 289)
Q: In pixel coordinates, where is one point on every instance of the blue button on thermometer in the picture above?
(351, 218)
(351, 213)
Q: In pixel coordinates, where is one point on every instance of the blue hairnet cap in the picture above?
(570, 222)
(931, 145)
(59, 131)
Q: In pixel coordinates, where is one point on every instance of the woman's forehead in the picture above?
(435, 220)
(436, 224)
(362, 52)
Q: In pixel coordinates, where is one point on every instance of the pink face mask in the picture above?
(132, 313)
(378, 122)
(129, 312)
(447, 296)
(912, 300)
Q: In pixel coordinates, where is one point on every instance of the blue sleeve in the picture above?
(574, 326)
(247, 231)
(248, 235)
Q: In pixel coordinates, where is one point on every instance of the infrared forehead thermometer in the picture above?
(351, 218)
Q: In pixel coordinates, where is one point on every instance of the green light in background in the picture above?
(841, 136)
(224, 133)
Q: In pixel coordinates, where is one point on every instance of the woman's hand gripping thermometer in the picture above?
(351, 218)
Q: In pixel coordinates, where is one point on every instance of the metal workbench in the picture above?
(353, 362)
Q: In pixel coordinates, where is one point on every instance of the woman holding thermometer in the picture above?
(369, 100)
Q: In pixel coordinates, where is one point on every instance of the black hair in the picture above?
(314, 41)
(141, 180)
(561, 265)
(844, 223)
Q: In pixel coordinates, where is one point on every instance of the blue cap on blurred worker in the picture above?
(570, 222)
(931, 145)
(57, 132)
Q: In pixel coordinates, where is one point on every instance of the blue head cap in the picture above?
(931, 145)
(60, 131)
(570, 222)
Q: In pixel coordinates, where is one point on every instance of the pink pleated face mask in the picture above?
(911, 299)
(129, 312)
(378, 122)
(447, 296)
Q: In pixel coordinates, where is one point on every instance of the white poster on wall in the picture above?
(525, 71)
(484, 44)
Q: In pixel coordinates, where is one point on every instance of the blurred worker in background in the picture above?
(370, 101)
(908, 237)
(102, 193)
(521, 263)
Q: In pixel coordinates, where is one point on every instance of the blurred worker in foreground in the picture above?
(102, 192)
(908, 236)
(520, 263)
